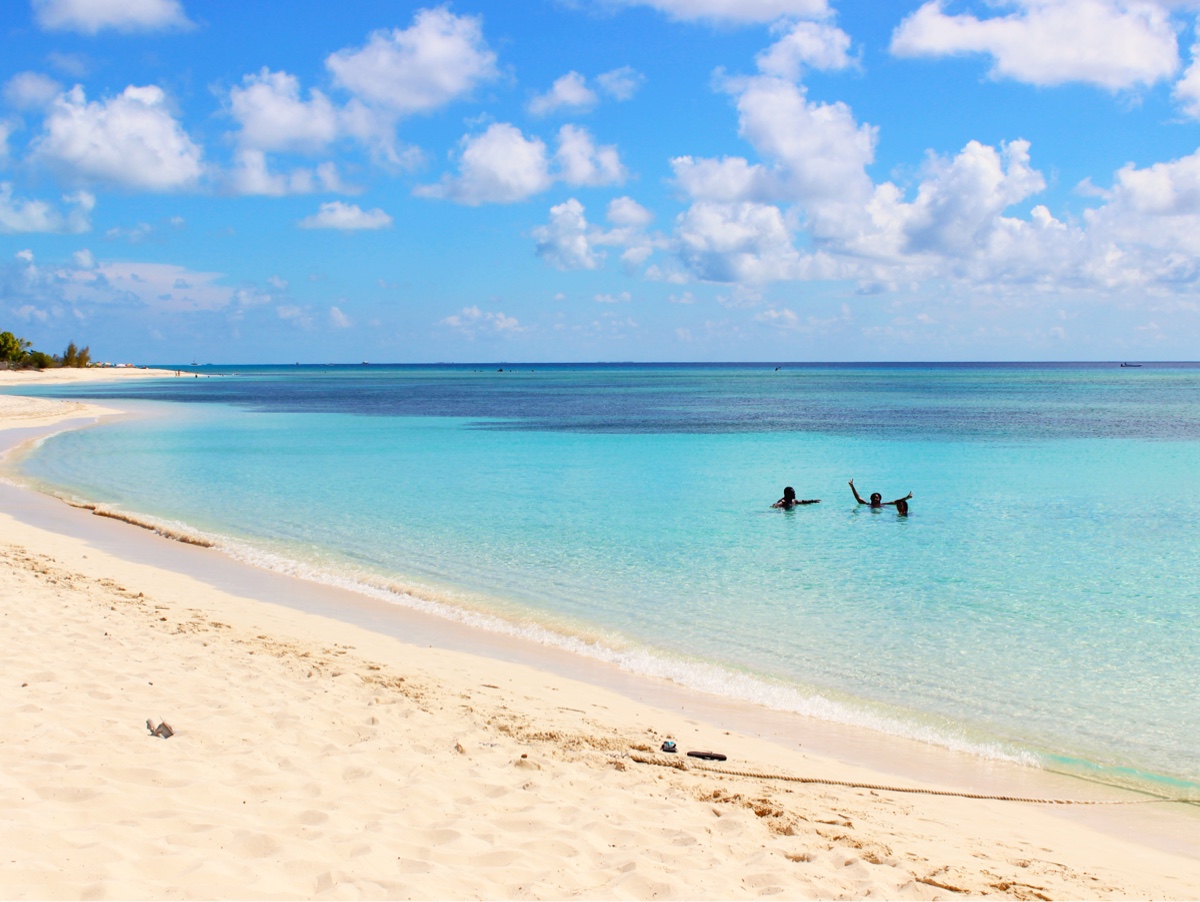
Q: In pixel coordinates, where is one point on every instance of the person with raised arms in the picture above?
(901, 504)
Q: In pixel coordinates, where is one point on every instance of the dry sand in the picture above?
(313, 758)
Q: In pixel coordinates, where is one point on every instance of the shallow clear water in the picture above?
(1040, 602)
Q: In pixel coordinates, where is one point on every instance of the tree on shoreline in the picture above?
(17, 353)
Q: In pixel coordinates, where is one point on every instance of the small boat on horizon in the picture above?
(1130, 364)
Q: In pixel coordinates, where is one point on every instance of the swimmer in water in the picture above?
(789, 499)
(877, 500)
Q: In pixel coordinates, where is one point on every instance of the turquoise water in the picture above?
(1040, 603)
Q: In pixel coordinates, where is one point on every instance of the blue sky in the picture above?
(601, 180)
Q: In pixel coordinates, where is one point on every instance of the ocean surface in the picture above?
(1040, 603)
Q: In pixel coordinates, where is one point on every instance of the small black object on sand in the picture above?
(707, 756)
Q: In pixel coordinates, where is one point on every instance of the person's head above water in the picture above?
(902, 507)
(789, 493)
(876, 499)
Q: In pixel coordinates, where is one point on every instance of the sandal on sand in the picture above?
(707, 756)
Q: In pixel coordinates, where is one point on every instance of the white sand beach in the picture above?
(313, 757)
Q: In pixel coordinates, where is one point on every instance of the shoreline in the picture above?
(979, 837)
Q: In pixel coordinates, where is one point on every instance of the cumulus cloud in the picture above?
(273, 116)
(569, 92)
(621, 84)
(1187, 89)
(347, 217)
(1114, 44)
(17, 215)
(439, 58)
(338, 319)
(745, 217)
(741, 242)
(31, 90)
(628, 213)
(816, 152)
(471, 321)
(581, 162)
(251, 174)
(806, 45)
(735, 11)
(91, 16)
(564, 241)
(568, 241)
(499, 166)
(131, 140)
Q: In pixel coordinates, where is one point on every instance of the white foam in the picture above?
(619, 652)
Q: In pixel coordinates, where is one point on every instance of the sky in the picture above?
(601, 180)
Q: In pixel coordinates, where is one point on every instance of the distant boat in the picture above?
(1130, 364)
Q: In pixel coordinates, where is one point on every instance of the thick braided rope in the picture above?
(680, 764)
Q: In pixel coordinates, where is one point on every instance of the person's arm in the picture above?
(809, 501)
(898, 500)
(778, 503)
(857, 497)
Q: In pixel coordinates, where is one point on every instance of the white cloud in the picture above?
(581, 162)
(130, 140)
(471, 321)
(779, 317)
(569, 242)
(31, 90)
(91, 16)
(737, 11)
(623, 298)
(821, 151)
(300, 317)
(499, 166)
(563, 242)
(959, 205)
(742, 242)
(439, 58)
(727, 179)
(621, 84)
(337, 215)
(806, 45)
(1187, 89)
(569, 92)
(1114, 44)
(338, 319)
(625, 211)
(251, 174)
(89, 284)
(273, 116)
(18, 215)
(6, 129)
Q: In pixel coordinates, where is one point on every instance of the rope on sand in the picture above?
(680, 764)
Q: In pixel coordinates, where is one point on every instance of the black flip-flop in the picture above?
(707, 756)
